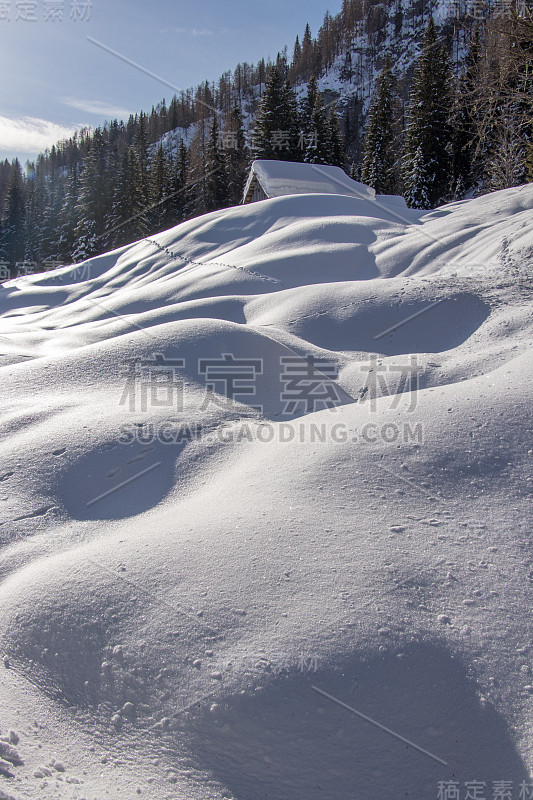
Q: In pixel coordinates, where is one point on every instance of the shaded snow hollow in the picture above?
(173, 609)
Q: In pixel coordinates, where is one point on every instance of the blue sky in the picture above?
(55, 79)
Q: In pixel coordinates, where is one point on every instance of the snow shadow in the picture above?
(413, 326)
(290, 743)
(15, 299)
(120, 480)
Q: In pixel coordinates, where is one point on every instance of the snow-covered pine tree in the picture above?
(180, 196)
(236, 156)
(307, 106)
(93, 205)
(141, 148)
(420, 176)
(336, 155)
(68, 218)
(126, 221)
(13, 232)
(197, 197)
(33, 214)
(276, 130)
(379, 156)
(215, 171)
(427, 159)
(42, 209)
(158, 215)
(49, 240)
(314, 132)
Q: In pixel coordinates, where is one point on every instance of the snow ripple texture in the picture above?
(173, 608)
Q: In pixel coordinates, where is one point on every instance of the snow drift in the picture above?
(204, 556)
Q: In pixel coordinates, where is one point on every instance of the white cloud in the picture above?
(96, 107)
(195, 31)
(30, 134)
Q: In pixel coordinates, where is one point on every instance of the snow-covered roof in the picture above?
(279, 178)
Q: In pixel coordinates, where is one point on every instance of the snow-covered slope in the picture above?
(184, 575)
(395, 28)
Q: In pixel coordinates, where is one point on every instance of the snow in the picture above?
(279, 178)
(211, 599)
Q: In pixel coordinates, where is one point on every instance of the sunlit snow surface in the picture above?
(168, 603)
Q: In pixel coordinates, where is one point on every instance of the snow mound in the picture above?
(265, 503)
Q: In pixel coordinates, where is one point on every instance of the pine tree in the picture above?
(197, 200)
(49, 245)
(93, 201)
(465, 171)
(40, 228)
(180, 196)
(355, 171)
(276, 133)
(68, 218)
(236, 157)
(159, 190)
(297, 53)
(307, 53)
(307, 105)
(141, 148)
(317, 61)
(336, 155)
(379, 158)
(126, 220)
(216, 183)
(282, 64)
(427, 161)
(33, 214)
(13, 232)
(316, 130)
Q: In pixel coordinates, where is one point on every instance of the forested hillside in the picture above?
(429, 100)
